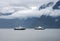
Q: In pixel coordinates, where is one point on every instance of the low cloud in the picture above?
(33, 12)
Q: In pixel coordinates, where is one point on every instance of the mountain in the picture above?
(43, 21)
(57, 5)
(46, 5)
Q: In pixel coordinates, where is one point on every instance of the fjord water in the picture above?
(30, 35)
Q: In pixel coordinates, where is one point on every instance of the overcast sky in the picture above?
(23, 2)
(7, 6)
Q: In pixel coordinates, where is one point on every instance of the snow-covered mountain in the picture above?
(46, 5)
(57, 5)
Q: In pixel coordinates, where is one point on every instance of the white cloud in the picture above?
(23, 2)
(31, 11)
(11, 9)
(5, 10)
